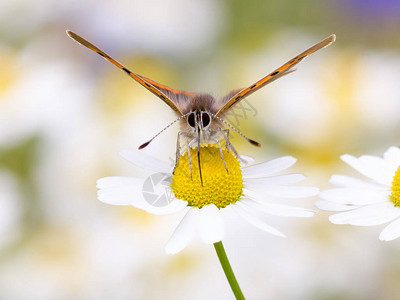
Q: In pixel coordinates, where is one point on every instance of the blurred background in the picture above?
(65, 113)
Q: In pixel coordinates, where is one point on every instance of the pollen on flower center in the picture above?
(219, 186)
(395, 195)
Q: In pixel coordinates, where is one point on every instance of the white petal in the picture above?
(370, 215)
(211, 227)
(371, 166)
(184, 232)
(392, 156)
(118, 190)
(277, 180)
(145, 161)
(129, 191)
(354, 196)
(391, 231)
(245, 160)
(283, 191)
(270, 167)
(175, 206)
(279, 209)
(260, 197)
(253, 220)
(351, 182)
(254, 195)
(332, 206)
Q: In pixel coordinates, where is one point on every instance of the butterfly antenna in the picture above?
(165, 128)
(253, 142)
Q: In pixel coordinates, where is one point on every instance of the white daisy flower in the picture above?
(367, 202)
(245, 190)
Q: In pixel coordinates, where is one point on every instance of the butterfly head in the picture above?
(199, 120)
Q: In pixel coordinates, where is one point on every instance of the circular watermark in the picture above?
(157, 191)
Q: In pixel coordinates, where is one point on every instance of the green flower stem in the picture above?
(223, 259)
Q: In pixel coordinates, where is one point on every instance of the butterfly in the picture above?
(201, 116)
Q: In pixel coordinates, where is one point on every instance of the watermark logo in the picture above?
(241, 110)
(157, 191)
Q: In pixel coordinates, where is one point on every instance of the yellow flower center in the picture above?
(395, 195)
(220, 187)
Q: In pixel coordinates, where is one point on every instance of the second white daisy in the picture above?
(367, 202)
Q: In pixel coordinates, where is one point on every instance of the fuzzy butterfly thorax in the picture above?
(200, 102)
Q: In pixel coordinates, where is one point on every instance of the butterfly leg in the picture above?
(178, 148)
(225, 134)
(227, 141)
(222, 155)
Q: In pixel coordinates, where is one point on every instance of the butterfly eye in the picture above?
(205, 119)
(191, 120)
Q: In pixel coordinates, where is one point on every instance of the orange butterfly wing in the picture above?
(281, 71)
(163, 92)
